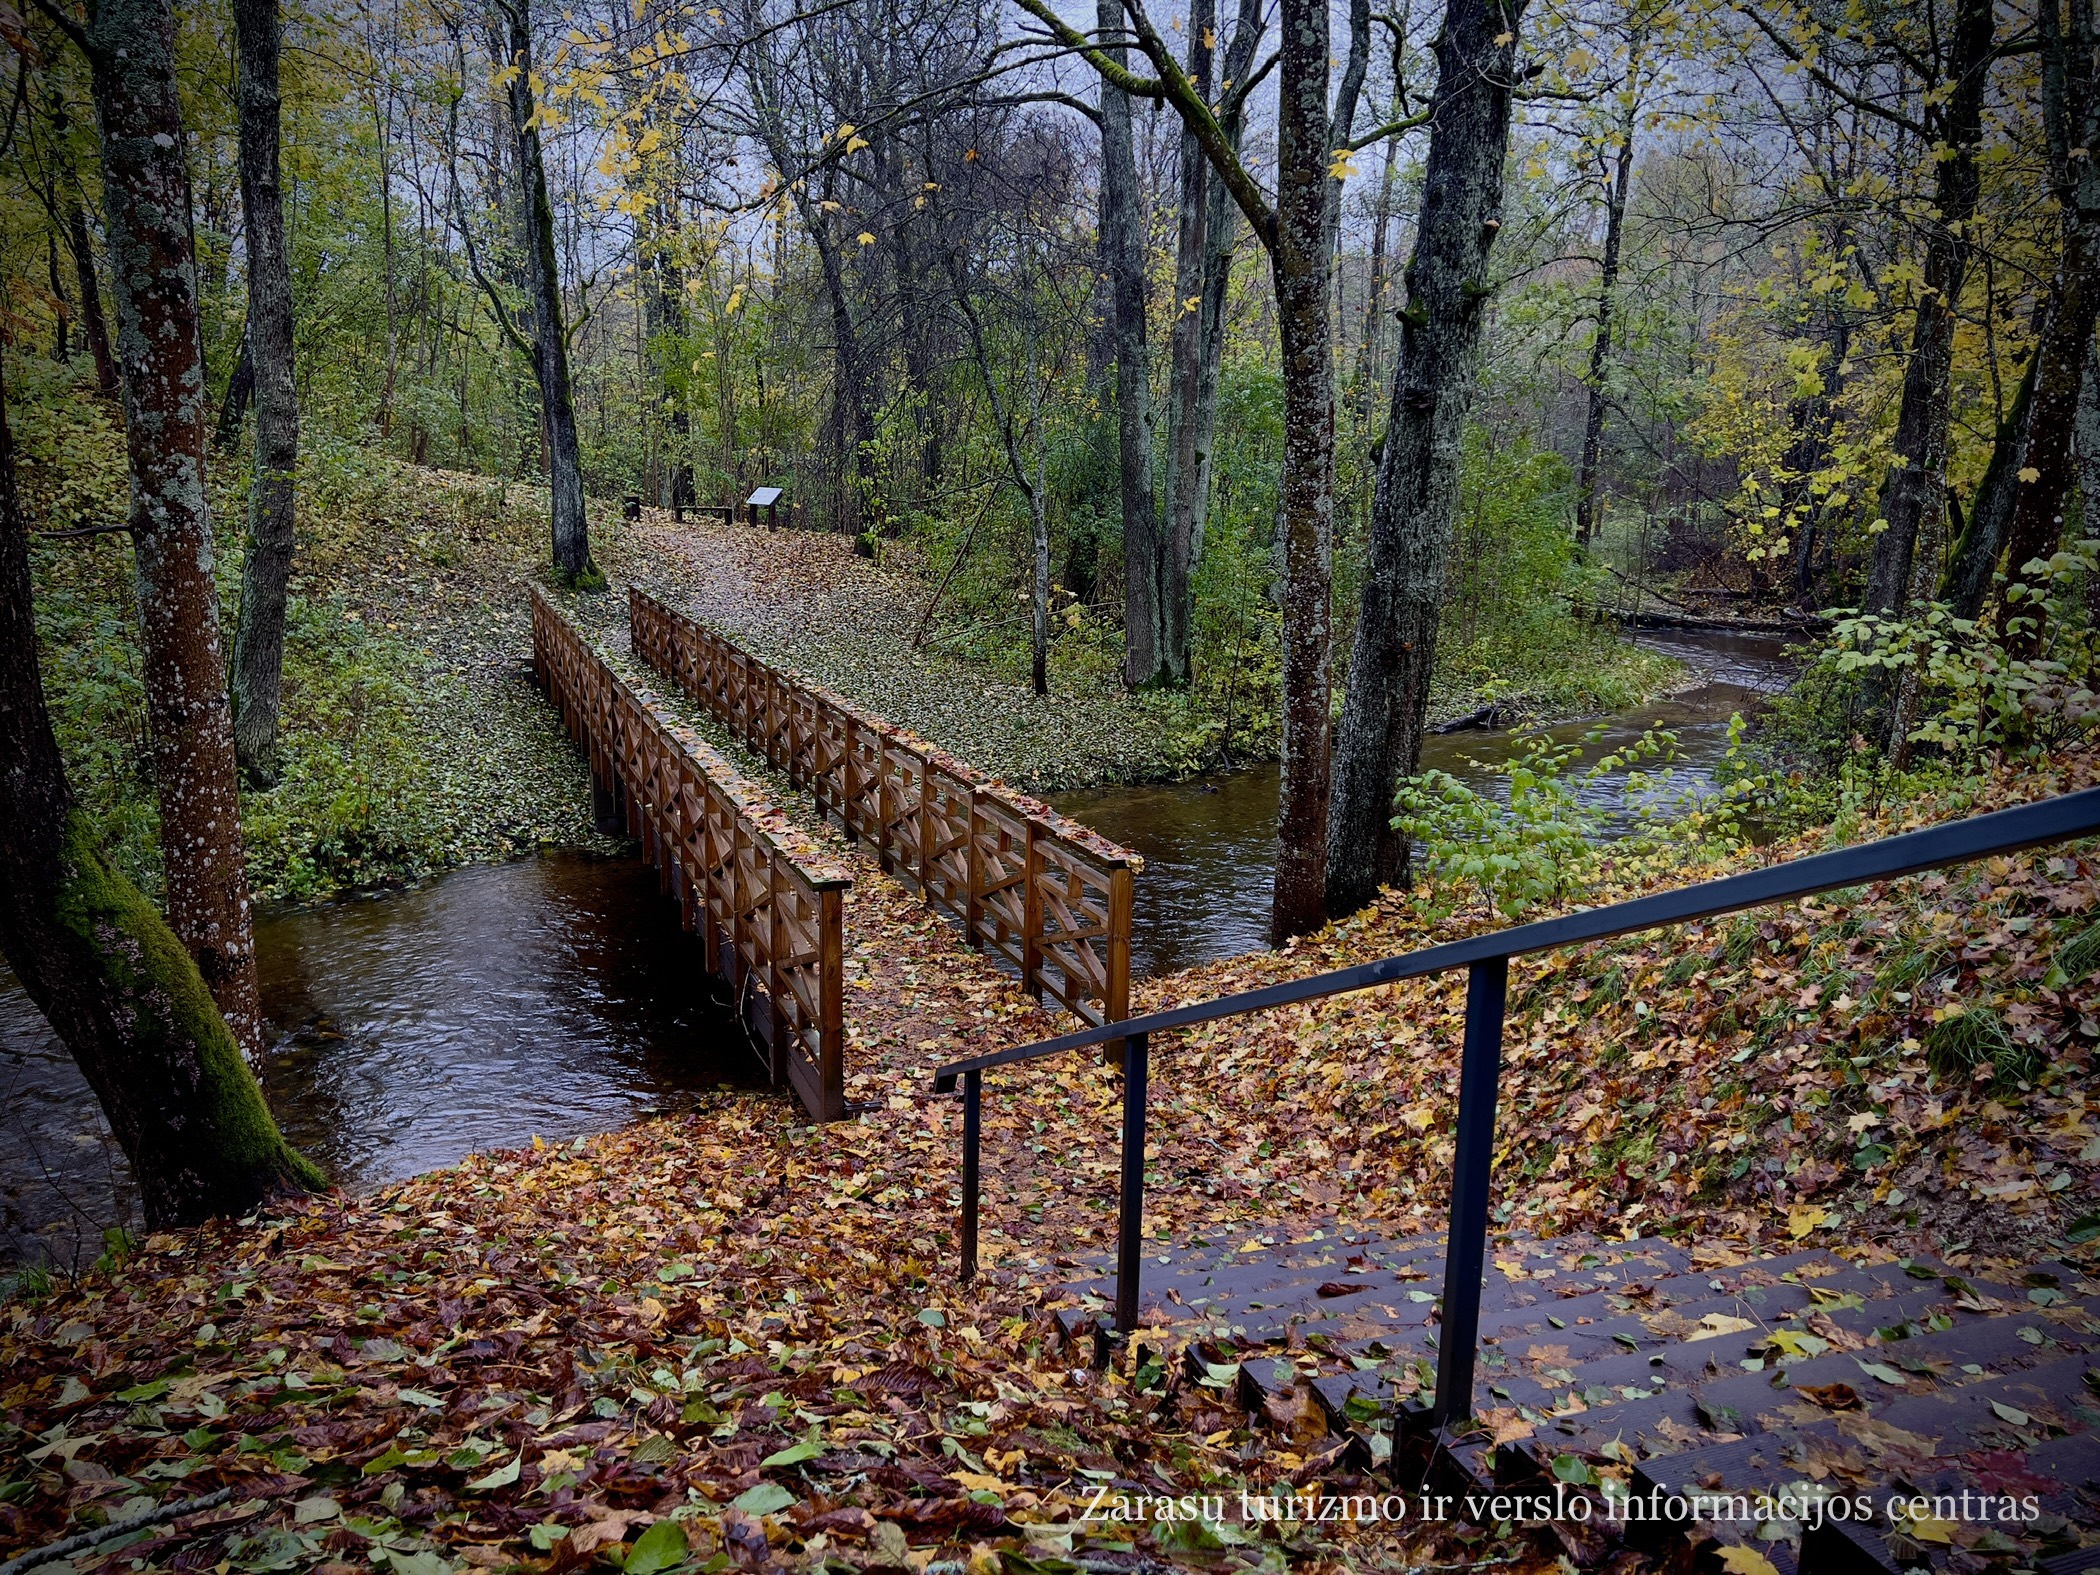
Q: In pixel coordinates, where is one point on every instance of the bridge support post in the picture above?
(1465, 1247)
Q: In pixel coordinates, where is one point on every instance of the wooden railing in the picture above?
(1042, 891)
(769, 908)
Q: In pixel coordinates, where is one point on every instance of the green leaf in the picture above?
(794, 1454)
(768, 1498)
(421, 1397)
(139, 1394)
(661, 1547)
(2011, 1413)
(2084, 1229)
(933, 1318)
(501, 1477)
(1570, 1468)
(1887, 1375)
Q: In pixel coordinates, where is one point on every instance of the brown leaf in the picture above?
(1831, 1397)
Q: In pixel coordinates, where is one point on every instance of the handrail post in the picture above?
(973, 1099)
(1130, 1221)
(1465, 1246)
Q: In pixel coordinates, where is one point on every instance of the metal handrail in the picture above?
(1486, 959)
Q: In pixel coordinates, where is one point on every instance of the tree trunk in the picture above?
(1221, 219)
(1917, 486)
(1187, 469)
(2043, 488)
(1039, 586)
(1600, 346)
(146, 187)
(1147, 661)
(61, 308)
(1347, 93)
(382, 128)
(104, 967)
(664, 308)
(258, 641)
(1412, 512)
(92, 322)
(1368, 361)
(2087, 442)
(1968, 581)
(233, 409)
(550, 347)
(1300, 262)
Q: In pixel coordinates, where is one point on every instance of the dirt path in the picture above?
(803, 600)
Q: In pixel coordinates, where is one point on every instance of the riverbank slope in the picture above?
(413, 741)
(750, 1327)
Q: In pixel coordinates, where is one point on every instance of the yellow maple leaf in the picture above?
(2029, 473)
(1803, 1218)
(866, 238)
(1715, 1324)
(1746, 1561)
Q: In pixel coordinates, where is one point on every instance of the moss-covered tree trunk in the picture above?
(145, 184)
(258, 641)
(105, 968)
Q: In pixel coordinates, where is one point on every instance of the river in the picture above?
(1209, 843)
(557, 995)
(551, 996)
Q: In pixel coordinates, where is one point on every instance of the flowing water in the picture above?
(551, 996)
(557, 995)
(1209, 843)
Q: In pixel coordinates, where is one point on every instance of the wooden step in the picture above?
(1629, 1348)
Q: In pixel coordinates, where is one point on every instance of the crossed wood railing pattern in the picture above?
(770, 909)
(1044, 892)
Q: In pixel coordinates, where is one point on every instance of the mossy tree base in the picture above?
(179, 1096)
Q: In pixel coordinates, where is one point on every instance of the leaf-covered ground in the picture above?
(750, 1327)
(806, 602)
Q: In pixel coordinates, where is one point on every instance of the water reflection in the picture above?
(552, 996)
(1209, 844)
(558, 995)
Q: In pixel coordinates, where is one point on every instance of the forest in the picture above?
(1349, 475)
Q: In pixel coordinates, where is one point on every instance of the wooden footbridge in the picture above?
(1026, 884)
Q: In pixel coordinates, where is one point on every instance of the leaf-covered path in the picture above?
(805, 601)
(750, 1326)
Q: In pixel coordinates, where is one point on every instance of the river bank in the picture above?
(751, 1328)
(413, 740)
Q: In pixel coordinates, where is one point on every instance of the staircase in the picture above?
(1635, 1367)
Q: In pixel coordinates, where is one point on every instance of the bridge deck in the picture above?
(910, 988)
